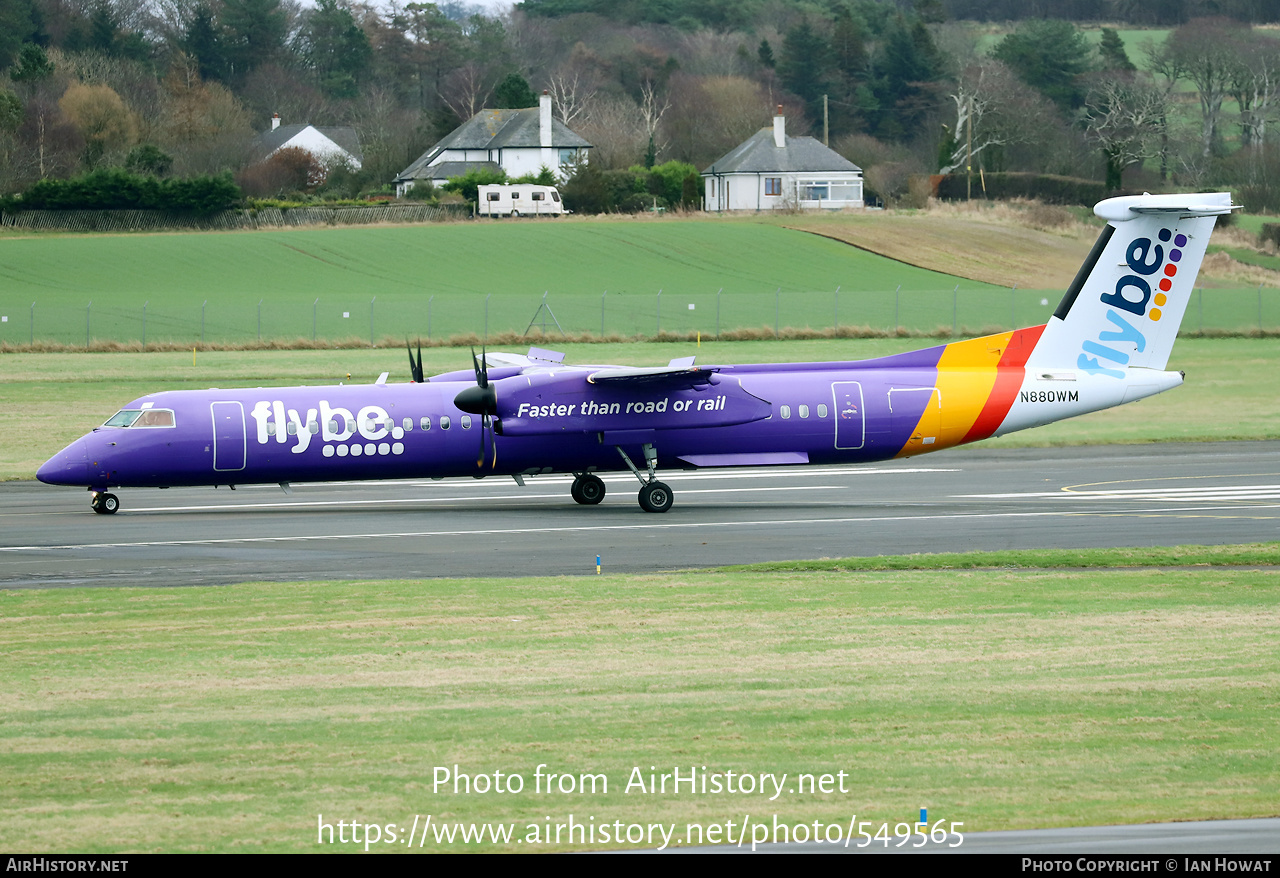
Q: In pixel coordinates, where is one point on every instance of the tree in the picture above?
(1111, 50)
(906, 71)
(1049, 56)
(1124, 116)
(18, 25)
(1205, 50)
(32, 64)
(806, 67)
(203, 41)
(101, 117)
(335, 48)
(513, 92)
(1254, 83)
(254, 33)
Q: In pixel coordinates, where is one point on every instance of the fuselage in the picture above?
(555, 420)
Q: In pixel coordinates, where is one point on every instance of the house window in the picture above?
(568, 156)
(772, 185)
(815, 190)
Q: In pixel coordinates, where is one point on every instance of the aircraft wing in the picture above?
(660, 376)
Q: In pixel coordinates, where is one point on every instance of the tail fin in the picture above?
(1124, 307)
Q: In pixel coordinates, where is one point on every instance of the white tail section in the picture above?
(1124, 307)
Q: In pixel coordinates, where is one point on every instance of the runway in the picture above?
(959, 500)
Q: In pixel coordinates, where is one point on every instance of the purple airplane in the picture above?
(1108, 343)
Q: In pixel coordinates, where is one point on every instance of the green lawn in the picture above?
(230, 719)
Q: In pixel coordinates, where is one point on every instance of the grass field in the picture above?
(228, 719)
(63, 396)
(619, 276)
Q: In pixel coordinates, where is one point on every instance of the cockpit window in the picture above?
(141, 418)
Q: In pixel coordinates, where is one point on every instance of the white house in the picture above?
(516, 141)
(770, 170)
(328, 145)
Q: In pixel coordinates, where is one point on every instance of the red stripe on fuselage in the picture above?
(1009, 374)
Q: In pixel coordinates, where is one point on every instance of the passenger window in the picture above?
(537, 196)
(466, 422)
(351, 426)
(804, 411)
(786, 412)
(444, 422)
(407, 424)
(333, 425)
(492, 196)
(271, 428)
(822, 411)
(426, 423)
(292, 429)
(313, 428)
(515, 195)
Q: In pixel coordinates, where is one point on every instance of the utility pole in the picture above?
(826, 123)
(968, 158)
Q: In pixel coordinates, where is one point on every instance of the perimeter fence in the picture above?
(247, 320)
(228, 220)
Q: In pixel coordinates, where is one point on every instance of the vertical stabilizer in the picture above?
(1124, 307)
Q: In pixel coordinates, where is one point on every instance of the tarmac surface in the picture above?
(965, 499)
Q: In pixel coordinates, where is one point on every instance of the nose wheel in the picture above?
(104, 503)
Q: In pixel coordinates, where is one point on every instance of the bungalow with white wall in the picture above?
(329, 145)
(516, 141)
(771, 171)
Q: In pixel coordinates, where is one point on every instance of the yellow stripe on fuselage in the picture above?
(966, 377)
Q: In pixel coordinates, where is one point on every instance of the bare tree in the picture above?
(652, 108)
(1124, 116)
(467, 88)
(613, 126)
(993, 108)
(1205, 50)
(571, 91)
(1254, 83)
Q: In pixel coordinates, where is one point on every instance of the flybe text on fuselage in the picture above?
(1133, 298)
(340, 431)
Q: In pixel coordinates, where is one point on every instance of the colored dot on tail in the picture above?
(1175, 255)
(1180, 241)
(1161, 298)
(1165, 284)
(1165, 234)
(1154, 314)
(1171, 270)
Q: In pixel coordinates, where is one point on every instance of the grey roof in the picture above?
(495, 129)
(757, 155)
(446, 170)
(269, 141)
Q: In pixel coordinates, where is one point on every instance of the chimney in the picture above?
(544, 119)
(780, 129)
(275, 121)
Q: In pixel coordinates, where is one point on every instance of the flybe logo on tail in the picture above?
(1133, 299)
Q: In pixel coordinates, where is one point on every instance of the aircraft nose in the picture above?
(70, 466)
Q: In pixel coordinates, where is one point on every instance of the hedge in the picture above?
(116, 189)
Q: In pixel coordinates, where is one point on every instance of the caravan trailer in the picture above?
(520, 199)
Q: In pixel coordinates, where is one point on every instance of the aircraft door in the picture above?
(229, 437)
(851, 422)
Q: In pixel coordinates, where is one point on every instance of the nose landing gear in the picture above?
(104, 503)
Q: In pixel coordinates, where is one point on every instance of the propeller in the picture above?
(415, 369)
(481, 400)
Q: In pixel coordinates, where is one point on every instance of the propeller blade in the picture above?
(415, 369)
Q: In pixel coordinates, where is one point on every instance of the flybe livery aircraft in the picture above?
(1108, 343)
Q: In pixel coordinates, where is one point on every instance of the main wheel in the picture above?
(655, 497)
(587, 489)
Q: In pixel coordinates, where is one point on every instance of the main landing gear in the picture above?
(104, 503)
(587, 489)
(655, 496)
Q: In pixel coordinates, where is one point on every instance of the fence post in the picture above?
(87, 313)
(486, 314)
(202, 307)
(259, 321)
(1013, 307)
(144, 324)
(955, 311)
(371, 301)
(777, 306)
(602, 295)
(836, 313)
(313, 318)
(897, 323)
(33, 323)
(431, 299)
(718, 292)
(1201, 304)
(659, 313)
(1259, 309)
